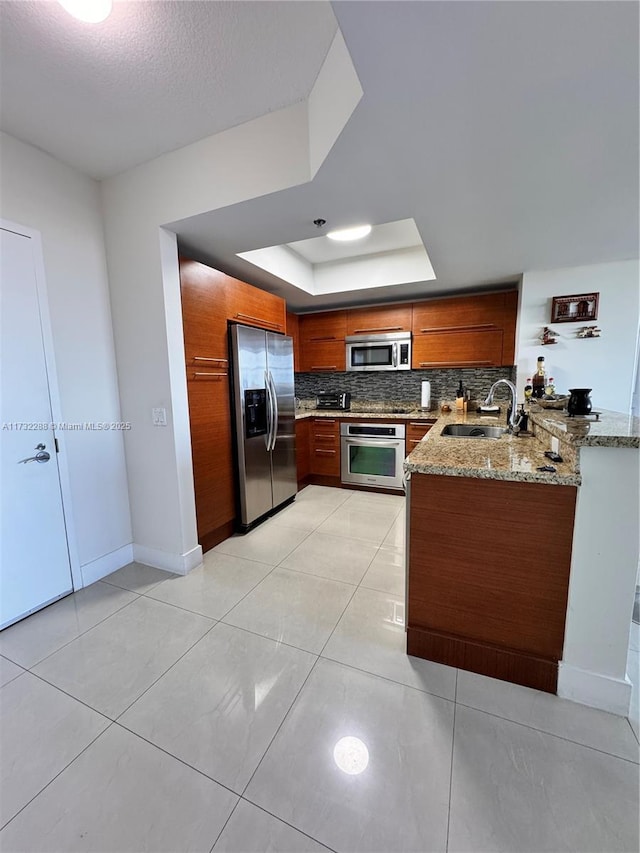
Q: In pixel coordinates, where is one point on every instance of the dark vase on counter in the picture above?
(579, 401)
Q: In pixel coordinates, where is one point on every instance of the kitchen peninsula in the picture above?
(521, 574)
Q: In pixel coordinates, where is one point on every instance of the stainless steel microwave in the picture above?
(379, 352)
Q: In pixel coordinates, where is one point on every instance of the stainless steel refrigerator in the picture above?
(264, 415)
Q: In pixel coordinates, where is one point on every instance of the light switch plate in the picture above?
(555, 444)
(159, 417)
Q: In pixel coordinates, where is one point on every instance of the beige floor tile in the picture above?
(219, 707)
(122, 795)
(268, 543)
(517, 789)
(110, 666)
(42, 731)
(214, 588)
(8, 671)
(359, 522)
(37, 636)
(137, 577)
(332, 557)
(386, 572)
(294, 608)
(252, 830)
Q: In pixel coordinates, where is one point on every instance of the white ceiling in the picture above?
(507, 131)
(153, 77)
(389, 236)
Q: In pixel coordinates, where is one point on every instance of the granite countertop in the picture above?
(614, 429)
(369, 414)
(506, 458)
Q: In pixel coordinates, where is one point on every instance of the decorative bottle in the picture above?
(528, 390)
(538, 379)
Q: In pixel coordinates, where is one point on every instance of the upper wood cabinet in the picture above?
(293, 330)
(325, 326)
(255, 307)
(465, 331)
(480, 311)
(204, 316)
(381, 319)
(321, 345)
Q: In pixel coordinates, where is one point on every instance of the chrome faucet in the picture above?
(513, 417)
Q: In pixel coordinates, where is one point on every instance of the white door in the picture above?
(34, 559)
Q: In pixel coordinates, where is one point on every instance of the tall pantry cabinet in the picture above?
(210, 300)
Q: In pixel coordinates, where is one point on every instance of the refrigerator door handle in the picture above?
(267, 438)
(274, 397)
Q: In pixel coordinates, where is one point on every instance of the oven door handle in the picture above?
(395, 355)
(364, 442)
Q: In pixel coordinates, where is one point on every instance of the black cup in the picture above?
(579, 401)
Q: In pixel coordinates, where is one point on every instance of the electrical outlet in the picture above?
(555, 444)
(159, 417)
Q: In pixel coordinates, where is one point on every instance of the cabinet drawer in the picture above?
(325, 461)
(331, 425)
(416, 430)
(457, 349)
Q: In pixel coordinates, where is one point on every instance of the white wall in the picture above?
(42, 193)
(605, 364)
(255, 158)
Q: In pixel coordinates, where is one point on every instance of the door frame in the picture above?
(54, 393)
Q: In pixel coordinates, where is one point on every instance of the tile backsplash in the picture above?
(404, 385)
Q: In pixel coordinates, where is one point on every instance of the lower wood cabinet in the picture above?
(415, 431)
(211, 449)
(324, 447)
(489, 594)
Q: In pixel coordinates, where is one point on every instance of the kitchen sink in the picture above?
(472, 431)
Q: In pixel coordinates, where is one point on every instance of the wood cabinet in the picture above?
(209, 300)
(322, 345)
(481, 596)
(204, 294)
(324, 447)
(254, 307)
(415, 431)
(303, 460)
(468, 348)
(380, 319)
(465, 331)
(293, 330)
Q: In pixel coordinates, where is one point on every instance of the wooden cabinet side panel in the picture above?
(302, 450)
(293, 330)
(509, 327)
(381, 319)
(490, 560)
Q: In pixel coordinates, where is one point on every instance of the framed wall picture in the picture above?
(574, 309)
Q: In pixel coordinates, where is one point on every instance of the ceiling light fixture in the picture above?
(89, 11)
(346, 234)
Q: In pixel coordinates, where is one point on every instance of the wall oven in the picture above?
(379, 352)
(372, 454)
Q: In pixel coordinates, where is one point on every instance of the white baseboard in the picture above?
(594, 689)
(179, 564)
(103, 566)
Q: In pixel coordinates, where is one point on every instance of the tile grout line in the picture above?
(286, 822)
(633, 731)
(64, 645)
(549, 734)
(35, 796)
(224, 826)
(453, 741)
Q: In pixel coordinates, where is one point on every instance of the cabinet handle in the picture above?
(203, 358)
(325, 421)
(328, 452)
(380, 329)
(324, 436)
(427, 426)
(452, 363)
(324, 367)
(327, 338)
(195, 375)
(460, 328)
(260, 320)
